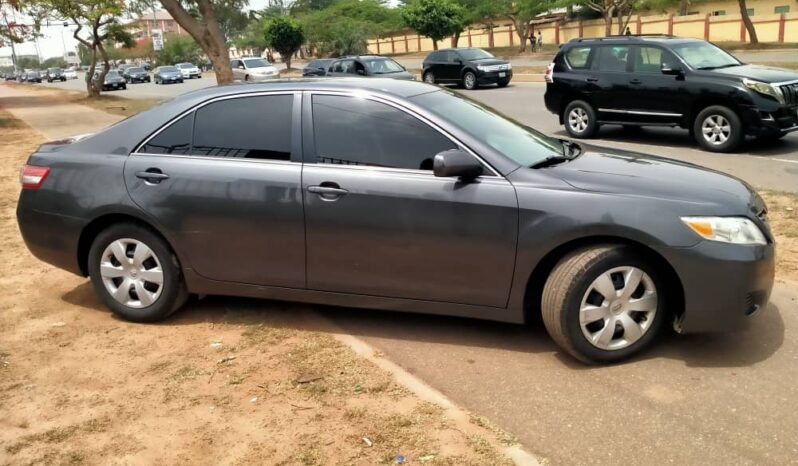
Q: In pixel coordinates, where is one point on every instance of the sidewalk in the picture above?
(44, 112)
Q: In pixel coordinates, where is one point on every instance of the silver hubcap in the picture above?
(618, 308)
(578, 120)
(716, 129)
(429, 78)
(131, 273)
(470, 80)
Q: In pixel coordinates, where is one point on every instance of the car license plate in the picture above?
(115, 84)
(501, 75)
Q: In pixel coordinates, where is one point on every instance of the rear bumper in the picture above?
(51, 238)
(725, 285)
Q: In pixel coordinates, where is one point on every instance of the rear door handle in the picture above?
(591, 80)
(328, 191)
(152, 175)
(635, 81)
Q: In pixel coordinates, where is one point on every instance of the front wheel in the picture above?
(718, 129)
(470, 80)
(580, 119)
(135, 273)
(429, 77)
(603, 303)
(503, 83)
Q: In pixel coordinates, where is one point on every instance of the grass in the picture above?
(108, 103)
(783, 218)
(60, 434)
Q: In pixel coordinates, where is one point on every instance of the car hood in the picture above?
(263, 69)
(622, 172)
(397, 75)
(766, 74)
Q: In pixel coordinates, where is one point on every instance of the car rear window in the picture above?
(577, 57)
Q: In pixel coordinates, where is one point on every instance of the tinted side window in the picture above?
(236, 63)
(650, 59)
(176, 139)
(351, 131)
(434, 56)
(577, 57)
(612, 58)
(249, 127)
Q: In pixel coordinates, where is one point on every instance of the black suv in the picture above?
(669, 81)
(317, 67)
(469, 67)
(55, 74)
(369, 65)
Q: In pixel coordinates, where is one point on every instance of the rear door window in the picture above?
(578, 58)
(612, 58)
(175, 139)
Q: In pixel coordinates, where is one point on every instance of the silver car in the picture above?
(253, 69)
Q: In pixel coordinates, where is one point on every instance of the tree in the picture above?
(201, 19)
(285, 35)
(252, 37)
(54, 62)
(749, 26)
(11, 32)
(178, 49)
(476, 11)
(344, 27)
(435, 19)
(521, 12)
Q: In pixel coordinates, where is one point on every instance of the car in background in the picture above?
(121, 68)
(253, 69)
(669, 81)
(55, 74)
(167, 74)
(369, 66)
(189, 70)
(469, 67)
(70, 74)
(113, 80)
(33, 77)
(136, 74)
(317, 67)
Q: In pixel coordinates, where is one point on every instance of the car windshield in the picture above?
(705, 56)
(168, 69)
(475, 54)
(516, 141)
(135, 70)
(54, 70)
(382, 65)
(185, 65)
(112, 73)
(257, 63)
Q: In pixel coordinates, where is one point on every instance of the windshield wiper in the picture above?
(719, 67)
(570, 151)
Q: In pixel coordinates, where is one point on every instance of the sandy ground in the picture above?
(227, 381)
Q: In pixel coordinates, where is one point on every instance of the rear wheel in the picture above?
(429, 77)
(718, 129)
(603, 303)
(580, 119)
(469, 80)
(135, 273)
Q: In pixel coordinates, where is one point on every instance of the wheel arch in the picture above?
(569, 97)
(93, 228)
(707, 101)
(537, 277)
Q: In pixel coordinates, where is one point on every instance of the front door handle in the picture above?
(591, 80)
(635, 81)
(152, 175)
(328, 191)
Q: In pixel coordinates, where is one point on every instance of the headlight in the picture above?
(735, 230)
(764, 88)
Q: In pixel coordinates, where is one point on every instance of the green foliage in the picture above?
(28, 63)
(345, 25)
(285, 35)
(55, 62)
(252, 37)
(435, 19)
(177, 49)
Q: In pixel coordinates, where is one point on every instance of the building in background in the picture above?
(159, 21)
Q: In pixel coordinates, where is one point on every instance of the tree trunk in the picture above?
(522, 31)
(748, 24)
(607, 24)
(569, 11)
(287, 59)
(434, 44)
(682, 7)
(455, 39)
(207, 33)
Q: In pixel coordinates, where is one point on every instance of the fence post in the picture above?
(706, 27)
(451, 41)
(407, 47)
(393, 47)
(510, 32)
(490, 38)
(469, 37)
(378, 46)
(557, 33)
(418, 40)
(639, 25)
(781, 28)
(670, 24)
(581, 30)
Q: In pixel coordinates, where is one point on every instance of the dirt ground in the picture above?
(226, 381)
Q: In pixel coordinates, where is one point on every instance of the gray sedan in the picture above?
(401, 196)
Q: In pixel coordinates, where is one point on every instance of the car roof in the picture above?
(394, 87)
(643, 38)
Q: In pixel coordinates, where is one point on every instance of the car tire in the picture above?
(429, 77)
(580, 119)
(503, 83)
(109, 276)
(718, 129)
(470, 80)
(124, 88)
(591, 327)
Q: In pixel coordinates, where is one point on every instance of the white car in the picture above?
(189, 70)
(253, 69)
(70, 74)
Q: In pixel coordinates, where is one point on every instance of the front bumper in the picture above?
(263, 77)
(724, 284)
(493, 77)
(759, 121)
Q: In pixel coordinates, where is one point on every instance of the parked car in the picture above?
(369, 65)
(122, 68)
(189, 70)
(136, 74)
(397, 195)
(10, 76)
(33, 77)
(670, 81)
(253, 69)
(468, 67)
(167, 74)
(113, 80)
(70, 74)
(55, 74)
(317, 67)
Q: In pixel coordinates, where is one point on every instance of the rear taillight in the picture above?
(549, 77)
(32, 177)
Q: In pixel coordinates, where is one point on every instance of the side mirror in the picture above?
(456, 163)
(672, 69)
(241, 67)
